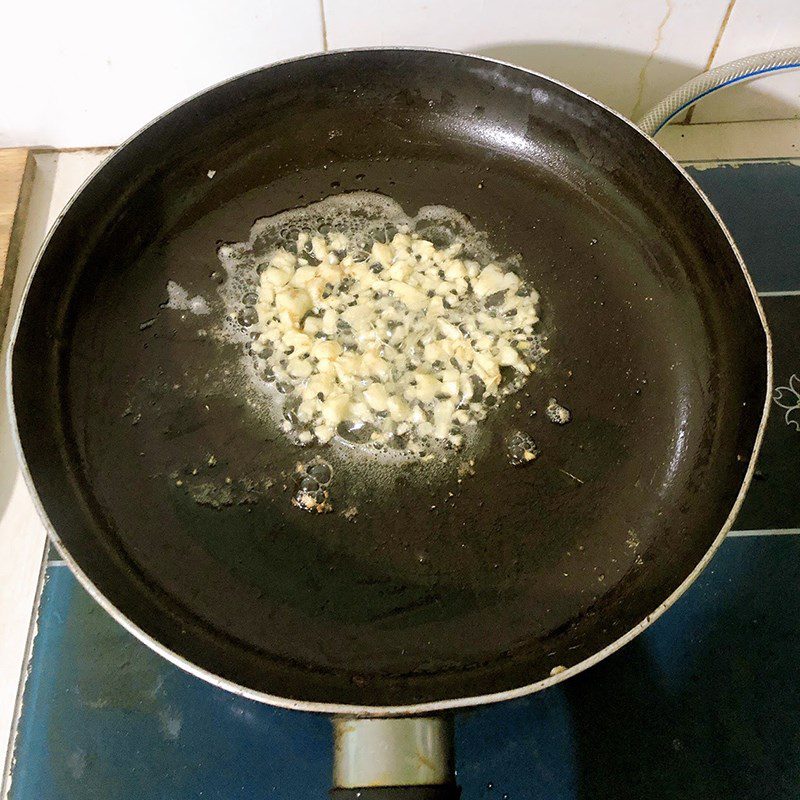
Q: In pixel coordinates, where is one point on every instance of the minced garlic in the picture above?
(398, 343)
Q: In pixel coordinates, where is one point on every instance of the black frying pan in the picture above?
(425, 601)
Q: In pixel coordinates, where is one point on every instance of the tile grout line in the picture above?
(699, 125)
(733, 162)
(713, 54)
(8, 767)
(324, 25)
(635, 114)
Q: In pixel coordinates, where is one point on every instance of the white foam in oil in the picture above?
(354, 223)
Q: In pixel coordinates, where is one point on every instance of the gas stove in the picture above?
(703, 704)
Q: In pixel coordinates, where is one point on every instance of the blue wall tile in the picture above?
(760, 204)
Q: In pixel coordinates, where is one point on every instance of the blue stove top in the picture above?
(706, 703)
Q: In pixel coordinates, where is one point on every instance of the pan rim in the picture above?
(410, 709)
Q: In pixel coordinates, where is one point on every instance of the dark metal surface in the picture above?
(655, 344)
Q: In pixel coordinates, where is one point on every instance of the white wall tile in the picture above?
(626, 54)
(90, 72)
(754, 27)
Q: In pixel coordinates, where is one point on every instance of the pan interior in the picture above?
(152, 462)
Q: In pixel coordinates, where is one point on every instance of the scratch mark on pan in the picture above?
(574, 477)
(406, 609)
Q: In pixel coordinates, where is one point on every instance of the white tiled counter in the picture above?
(22, 534)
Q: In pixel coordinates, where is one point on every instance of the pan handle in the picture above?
(430, 792)
(397, 758)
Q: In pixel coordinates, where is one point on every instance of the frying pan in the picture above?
(167, 493)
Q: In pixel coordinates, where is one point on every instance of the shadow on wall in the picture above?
(626, 80)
